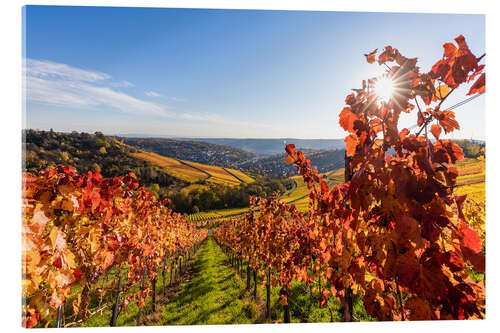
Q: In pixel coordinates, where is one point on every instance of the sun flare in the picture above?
(384, 88)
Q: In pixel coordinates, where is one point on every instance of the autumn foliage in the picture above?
(75, 227)
(394, 233)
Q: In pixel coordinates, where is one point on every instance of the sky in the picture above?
(221, 73)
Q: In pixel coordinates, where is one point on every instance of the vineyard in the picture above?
(78, 228)
(396, 235)
(192, 172)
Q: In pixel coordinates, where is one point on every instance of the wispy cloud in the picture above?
(152, 94)
(62, 85)
(52, 70)
(122, 84)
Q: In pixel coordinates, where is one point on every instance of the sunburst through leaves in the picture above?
(384, 88)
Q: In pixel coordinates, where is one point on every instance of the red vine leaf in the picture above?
(479, 86)
(351, 143)
(370, 57)
(436, 130)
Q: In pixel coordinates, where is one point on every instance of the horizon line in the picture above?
(166, 136)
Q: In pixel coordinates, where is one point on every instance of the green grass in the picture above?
(214, 295)
(306, 309)
(128, 316)
(103, 319)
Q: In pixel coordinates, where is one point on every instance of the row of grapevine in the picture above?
(394, 233)
(77, 226)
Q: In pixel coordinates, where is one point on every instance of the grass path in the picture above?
(211, 292)
(213, 295)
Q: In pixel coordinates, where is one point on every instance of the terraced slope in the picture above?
(173, 167)
(472, 179)
(220, 174)
(193, 172)
(240, 175)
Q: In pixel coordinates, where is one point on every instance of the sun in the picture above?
(384, 88)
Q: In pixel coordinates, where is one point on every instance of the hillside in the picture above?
(471, 179)
(201, 152)
(94, 152)
(263, 156)
(193, 172)
(323, 160)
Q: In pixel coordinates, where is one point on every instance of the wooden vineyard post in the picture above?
(312, 270)
(60, 315)
(154, 294)
(286, 308)
(164, 273)
(138, 321)
(248, 274)
(176, 269)
(255, 282)
(347, 304)
(319, 285)
(268, 294)
(116, 306)
(172, 271)
(178, 272)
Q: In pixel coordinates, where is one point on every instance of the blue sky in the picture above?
(221, 73)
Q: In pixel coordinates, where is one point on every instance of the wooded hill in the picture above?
(95, 152)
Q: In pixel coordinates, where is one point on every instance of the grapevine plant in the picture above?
(76, 227)
(394, 233)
